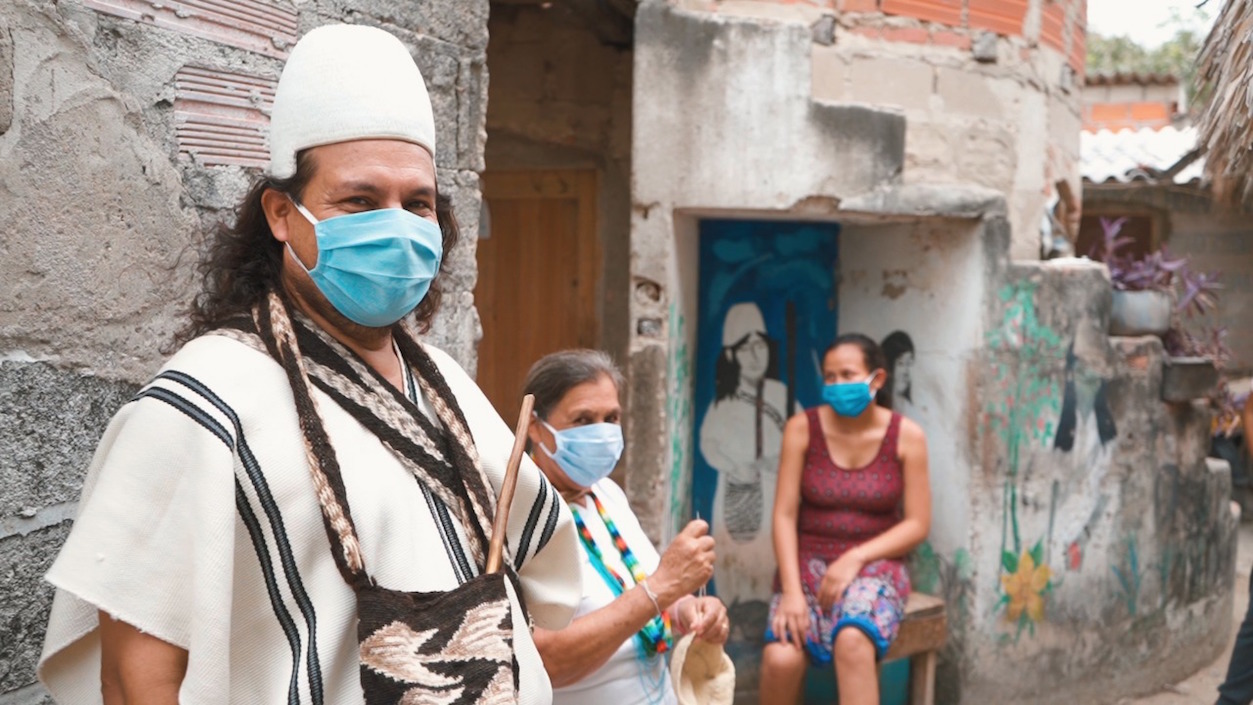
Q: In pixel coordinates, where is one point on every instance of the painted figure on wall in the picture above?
(1086, 424)
(767, 309)
(740, 438)
(1084, 442)
(897, 393)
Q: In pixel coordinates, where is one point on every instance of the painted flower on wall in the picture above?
(1025, 581)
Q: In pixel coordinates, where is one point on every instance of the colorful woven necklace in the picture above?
(655, 637)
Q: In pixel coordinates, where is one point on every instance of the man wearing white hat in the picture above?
(304, 464)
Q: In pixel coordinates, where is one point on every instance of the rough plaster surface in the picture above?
(103, 219)
(1002, 116)
(24, 611)
(6, 77)
(1139, 538)
(762, 141)
(50, 421)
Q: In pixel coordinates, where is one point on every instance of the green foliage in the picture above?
(1176, 57)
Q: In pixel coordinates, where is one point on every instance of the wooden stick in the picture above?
(500, 524)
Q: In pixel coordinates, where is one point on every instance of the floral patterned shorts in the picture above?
(871, 604)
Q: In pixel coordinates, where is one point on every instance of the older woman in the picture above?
(853, 499)
(634, 600)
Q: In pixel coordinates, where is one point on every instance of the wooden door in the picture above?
(539, 271)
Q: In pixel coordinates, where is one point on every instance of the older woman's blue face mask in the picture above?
(581, 438)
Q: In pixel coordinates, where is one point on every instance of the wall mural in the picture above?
(1050, 411)
(767, 311)
(679, 407)
(897, 394)
(1024, 397)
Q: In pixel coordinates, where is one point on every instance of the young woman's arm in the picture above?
(900, 539)
(138, 668)
(791, 619)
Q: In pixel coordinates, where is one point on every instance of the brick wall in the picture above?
(1057, 24)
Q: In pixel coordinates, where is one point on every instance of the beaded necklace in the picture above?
(655, 637)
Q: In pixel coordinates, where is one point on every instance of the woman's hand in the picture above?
(791, 619)
(838, 577)
(687, 564)
(705, 618)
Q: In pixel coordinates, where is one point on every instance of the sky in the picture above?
(1148, 22)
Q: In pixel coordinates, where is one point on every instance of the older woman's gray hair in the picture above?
(553, 375)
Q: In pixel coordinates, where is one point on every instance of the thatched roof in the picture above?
(1225, 70)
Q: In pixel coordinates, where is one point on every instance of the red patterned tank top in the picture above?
(843, 507)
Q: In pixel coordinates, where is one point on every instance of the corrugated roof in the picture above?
(1131, 155)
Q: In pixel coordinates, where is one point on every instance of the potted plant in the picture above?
(1158, 295)
(1143, 288)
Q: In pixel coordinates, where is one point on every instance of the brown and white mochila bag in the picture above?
(433, 648)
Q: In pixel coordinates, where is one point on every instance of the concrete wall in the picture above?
(761, 145)
(561, 99)
(991, 99)
(1212, 237)
(1090, 486)
(1078, 527)
(926, 279)
(104, 197)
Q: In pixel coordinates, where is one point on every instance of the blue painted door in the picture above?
(766, 312)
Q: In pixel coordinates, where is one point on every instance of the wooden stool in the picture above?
(922, 634)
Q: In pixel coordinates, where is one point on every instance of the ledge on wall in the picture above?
(930, 200)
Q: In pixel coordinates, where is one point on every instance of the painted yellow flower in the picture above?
(1024, 588)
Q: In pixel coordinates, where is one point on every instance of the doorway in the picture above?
(539, 275)
(766, 311)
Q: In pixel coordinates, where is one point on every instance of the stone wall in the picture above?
(991, 88)
(105, 193)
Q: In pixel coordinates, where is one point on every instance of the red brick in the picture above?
(947, 12)
(912, 35)
(1078, 49)
(943, 38)
(859, 5)
(1150, 112)
(1107, 112)
(1052, 22)
(1001, 16)
(868, 32)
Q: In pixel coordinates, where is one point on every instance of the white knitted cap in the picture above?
(347, 82)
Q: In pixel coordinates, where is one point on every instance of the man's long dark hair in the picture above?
(240, 263)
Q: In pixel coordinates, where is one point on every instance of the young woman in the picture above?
(852, 500)
(633, 599)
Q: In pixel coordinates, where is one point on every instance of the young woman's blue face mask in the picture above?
(374, 266)
(849, 398)
(586, 454)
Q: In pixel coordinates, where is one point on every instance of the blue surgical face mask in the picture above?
(849, 398)
(587, 454)
(374, 266)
